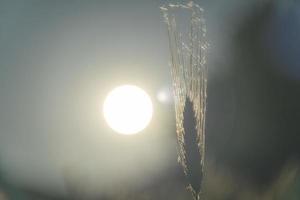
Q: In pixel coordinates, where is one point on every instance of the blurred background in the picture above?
(59, 59)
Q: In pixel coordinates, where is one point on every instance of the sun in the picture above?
(127, 109)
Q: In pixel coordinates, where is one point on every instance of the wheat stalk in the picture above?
(189, 77)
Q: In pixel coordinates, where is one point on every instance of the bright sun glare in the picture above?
(127, 109)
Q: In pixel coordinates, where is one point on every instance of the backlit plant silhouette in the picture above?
(188, 47)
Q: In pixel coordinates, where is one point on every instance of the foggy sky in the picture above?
(58, 60)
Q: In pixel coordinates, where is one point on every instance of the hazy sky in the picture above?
(58, 60)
